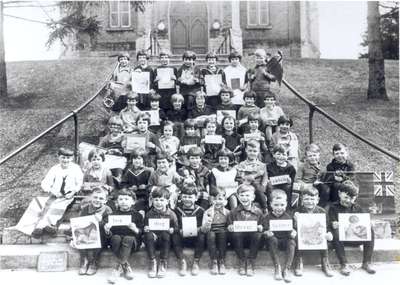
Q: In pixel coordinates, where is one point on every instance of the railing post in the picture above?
(310, 122)
(76, 138)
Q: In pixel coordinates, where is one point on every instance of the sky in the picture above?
(341, 25)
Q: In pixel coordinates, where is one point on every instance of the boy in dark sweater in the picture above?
(246, 211)
(348, 192)
(124, 239)
(142, 58)
(159, 237)
(187, 210)
(283, 239)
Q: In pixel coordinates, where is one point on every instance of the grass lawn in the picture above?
(42, 93)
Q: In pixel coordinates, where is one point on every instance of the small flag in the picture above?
(383, 184)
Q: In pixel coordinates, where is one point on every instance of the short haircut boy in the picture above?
(338, 146)
(195, 151)
(245, 187)
(189, 123)
(312, 148)
(177, 98)
(349, 188)
(250, 94)
(278, 194)
(226, 89)
(189, 189)
(143, 116)
(278, 148)
(138, 152)
(126, 192)
(160, 192)
(96, 152)
(253, 144)
(155, 97)
(65, 152)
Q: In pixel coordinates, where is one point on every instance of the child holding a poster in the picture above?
(235, 77)
(285, 137)
(214, 225)
(157, 115)
(159, 224)
(278, 229)
(201, 111)
(198, 173)
(281, 173)
(164, 81)
(143, 74)
(124, 229)
(309, 205)
(212, 78)
(189, 78)
(98, 208)
(223, 177)
(348, 193)
(190, 217)
(245, 224)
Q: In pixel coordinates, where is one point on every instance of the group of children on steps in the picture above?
(197, 163)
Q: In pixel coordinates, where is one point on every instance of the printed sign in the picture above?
(133, 142)
(281, 179)
(185, 148)
(224, 113)
(245, 226)
(141, 82)
(159, 224)
(213, 139)
(252, 136)
(189, 226)
(311, 230)
(213, 84)
(85, 232)
(280, 225)
(165, 81)
(354, 227)
(55, 261)
(119, 220)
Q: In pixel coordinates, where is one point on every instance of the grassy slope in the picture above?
(43, 92)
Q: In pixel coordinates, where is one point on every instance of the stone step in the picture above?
(26, 256)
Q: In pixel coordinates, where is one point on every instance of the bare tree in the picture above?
(376, 63)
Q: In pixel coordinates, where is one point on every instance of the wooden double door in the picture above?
(189, 26)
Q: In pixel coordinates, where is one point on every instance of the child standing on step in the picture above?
(189, 78)
(120, 83)
(124, 239)
(97, 207)
(211, 70)
(164, 84)
(142, 59)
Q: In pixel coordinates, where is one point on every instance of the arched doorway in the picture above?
(189, 26)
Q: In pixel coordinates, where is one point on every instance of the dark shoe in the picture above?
(367, 267)
(152, 268)
(214, 267)
(196, 267)
(222, 269)
(278, 273)
(345, 270)
(115, 274)
(182, 267)
(242, 267)
(84, 266)
(286, 275)
(162, 268)
(37, 233)
(128, 273)
(326, 267)
(92, 269)
(298, 270)
(51, 230)
(250, 267)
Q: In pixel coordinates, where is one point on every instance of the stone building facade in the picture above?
(202, 26)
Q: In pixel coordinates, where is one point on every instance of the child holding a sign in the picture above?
(309, 202)
(144, 97)
(190, 217)
(130, 114)
(159, 224)
(348, 193)
(168, 142)
(189, 78)
(157, 115)
(97, 174)
(190, 139)
(199, 173)
(245, 224)
(223, 177)
(201, 112)
(235, 77)
(124, 229)
(254, 171)
(281, 173)
(278, 229)
(214, 225)
(212, 78)
(164, 82)
(211, 143)
(99, 209)
(287, 139)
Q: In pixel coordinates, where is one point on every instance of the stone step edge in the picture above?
(26, 256)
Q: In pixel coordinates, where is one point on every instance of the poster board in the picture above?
(189, 226)
(141, 82)
(154, 117)
(133, 142)
(281, 179)
(354, 227)
(281, 225)
(245, 226)
(213, 139)
(119, 220)
(213, 84)
(85, 232)
(311, 230)
(159, 224)
(165, 75)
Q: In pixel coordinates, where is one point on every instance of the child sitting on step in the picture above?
(124, 239)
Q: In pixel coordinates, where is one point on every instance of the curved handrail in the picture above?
(60, 122)
(313, 107)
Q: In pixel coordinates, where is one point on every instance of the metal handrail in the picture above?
(314, 108)
(73, 114)
(227, 40)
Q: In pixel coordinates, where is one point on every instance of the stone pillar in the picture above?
(309, 30)
(144, 27)
(236, 31)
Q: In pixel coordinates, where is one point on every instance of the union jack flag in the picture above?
(383, 184)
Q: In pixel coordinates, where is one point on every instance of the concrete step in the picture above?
(26, 256)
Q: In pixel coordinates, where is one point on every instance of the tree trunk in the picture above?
(3, 74)
(376, 82)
